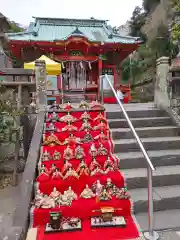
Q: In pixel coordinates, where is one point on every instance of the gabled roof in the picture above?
(52, 29)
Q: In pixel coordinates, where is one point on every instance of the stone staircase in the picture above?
(161, 139)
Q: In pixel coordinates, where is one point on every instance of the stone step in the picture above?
(158, 143)
(162, 176)
(118, 114)
(165, 198)
(161, 131)
(163, 220)
(141, 122)
(129, 160)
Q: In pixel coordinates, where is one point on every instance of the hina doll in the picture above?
(50, 128)
(72, 140)
(56, 155)
(101, 127)
(68, 118)
(94, 105)
(47, 202)
(87, 193)
(94, 164)
(43, 167)
(53, 118)
(93, 151)
(67, 106)
(69, 128)
(39, 196)
(101, 137)
(68, 153)
(71, 194)
(102, 151)
(109, 166)
(43, 176)
(67, 165)
(86, 126)
(105, 196)
(87, 138)
(79, 152)
(100, 117)
(85, 117)
(71, 173)
(95, 168)
(84, 105)
(64, 200)
(122, 194)
(54, 106)
(51, 140)
(52, 169)
(57, 175)
(45, 156)
(109, 186)
(82, 169)
(55, 195)
(97, 188)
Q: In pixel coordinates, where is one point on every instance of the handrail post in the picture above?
(62, 94)
(151, 234)
(101, 90)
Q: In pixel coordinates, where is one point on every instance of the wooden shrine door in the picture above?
(76, 75)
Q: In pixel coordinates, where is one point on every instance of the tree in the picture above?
(148, 5)
(15, 27)
(136, 22)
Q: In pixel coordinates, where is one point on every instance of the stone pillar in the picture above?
(161, 96)
(41, 89)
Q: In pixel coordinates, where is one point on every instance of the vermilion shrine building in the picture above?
(86, 49)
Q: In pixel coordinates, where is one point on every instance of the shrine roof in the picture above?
(59, 29)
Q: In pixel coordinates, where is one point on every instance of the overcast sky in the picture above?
(21, 11)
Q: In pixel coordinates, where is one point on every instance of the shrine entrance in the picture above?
(75, 75)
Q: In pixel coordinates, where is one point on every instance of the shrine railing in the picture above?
(151, 234)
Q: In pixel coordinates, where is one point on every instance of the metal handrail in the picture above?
(151, 234)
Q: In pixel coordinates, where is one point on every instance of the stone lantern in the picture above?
(175, 83)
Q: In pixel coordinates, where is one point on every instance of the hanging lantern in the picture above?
(81, 65)
(89, 64)
(63, 67)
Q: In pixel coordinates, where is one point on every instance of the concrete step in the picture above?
(129, 160)
(141, 122)
(161, 143)
(136, 114)
(163, 220)
(165, 198)
(162, 176)
(161, 131)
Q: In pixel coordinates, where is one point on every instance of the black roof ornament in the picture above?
(77, 32)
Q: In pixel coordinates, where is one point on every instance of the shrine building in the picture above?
(86, 49)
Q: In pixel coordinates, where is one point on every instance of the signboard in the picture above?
(52, 83)
(110, 73)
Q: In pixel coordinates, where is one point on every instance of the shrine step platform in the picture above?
(79, 182)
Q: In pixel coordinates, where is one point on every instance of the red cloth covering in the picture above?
(130, 232)
(83, 208)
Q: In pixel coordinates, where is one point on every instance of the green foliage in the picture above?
(175, 24)
(15, 27)
(136, 22)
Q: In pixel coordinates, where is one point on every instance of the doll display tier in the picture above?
(80, 163)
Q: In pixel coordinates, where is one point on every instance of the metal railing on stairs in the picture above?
(151, 234)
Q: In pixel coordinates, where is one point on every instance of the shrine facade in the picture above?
(86, 49)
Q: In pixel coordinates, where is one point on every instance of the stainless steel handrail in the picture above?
(151, 234)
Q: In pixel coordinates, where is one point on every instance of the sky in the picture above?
(116, 11)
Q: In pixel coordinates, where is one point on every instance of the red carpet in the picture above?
(70, 135)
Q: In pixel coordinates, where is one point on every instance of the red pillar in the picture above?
(99, 74)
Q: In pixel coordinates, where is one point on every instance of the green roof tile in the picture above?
(51, 29)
